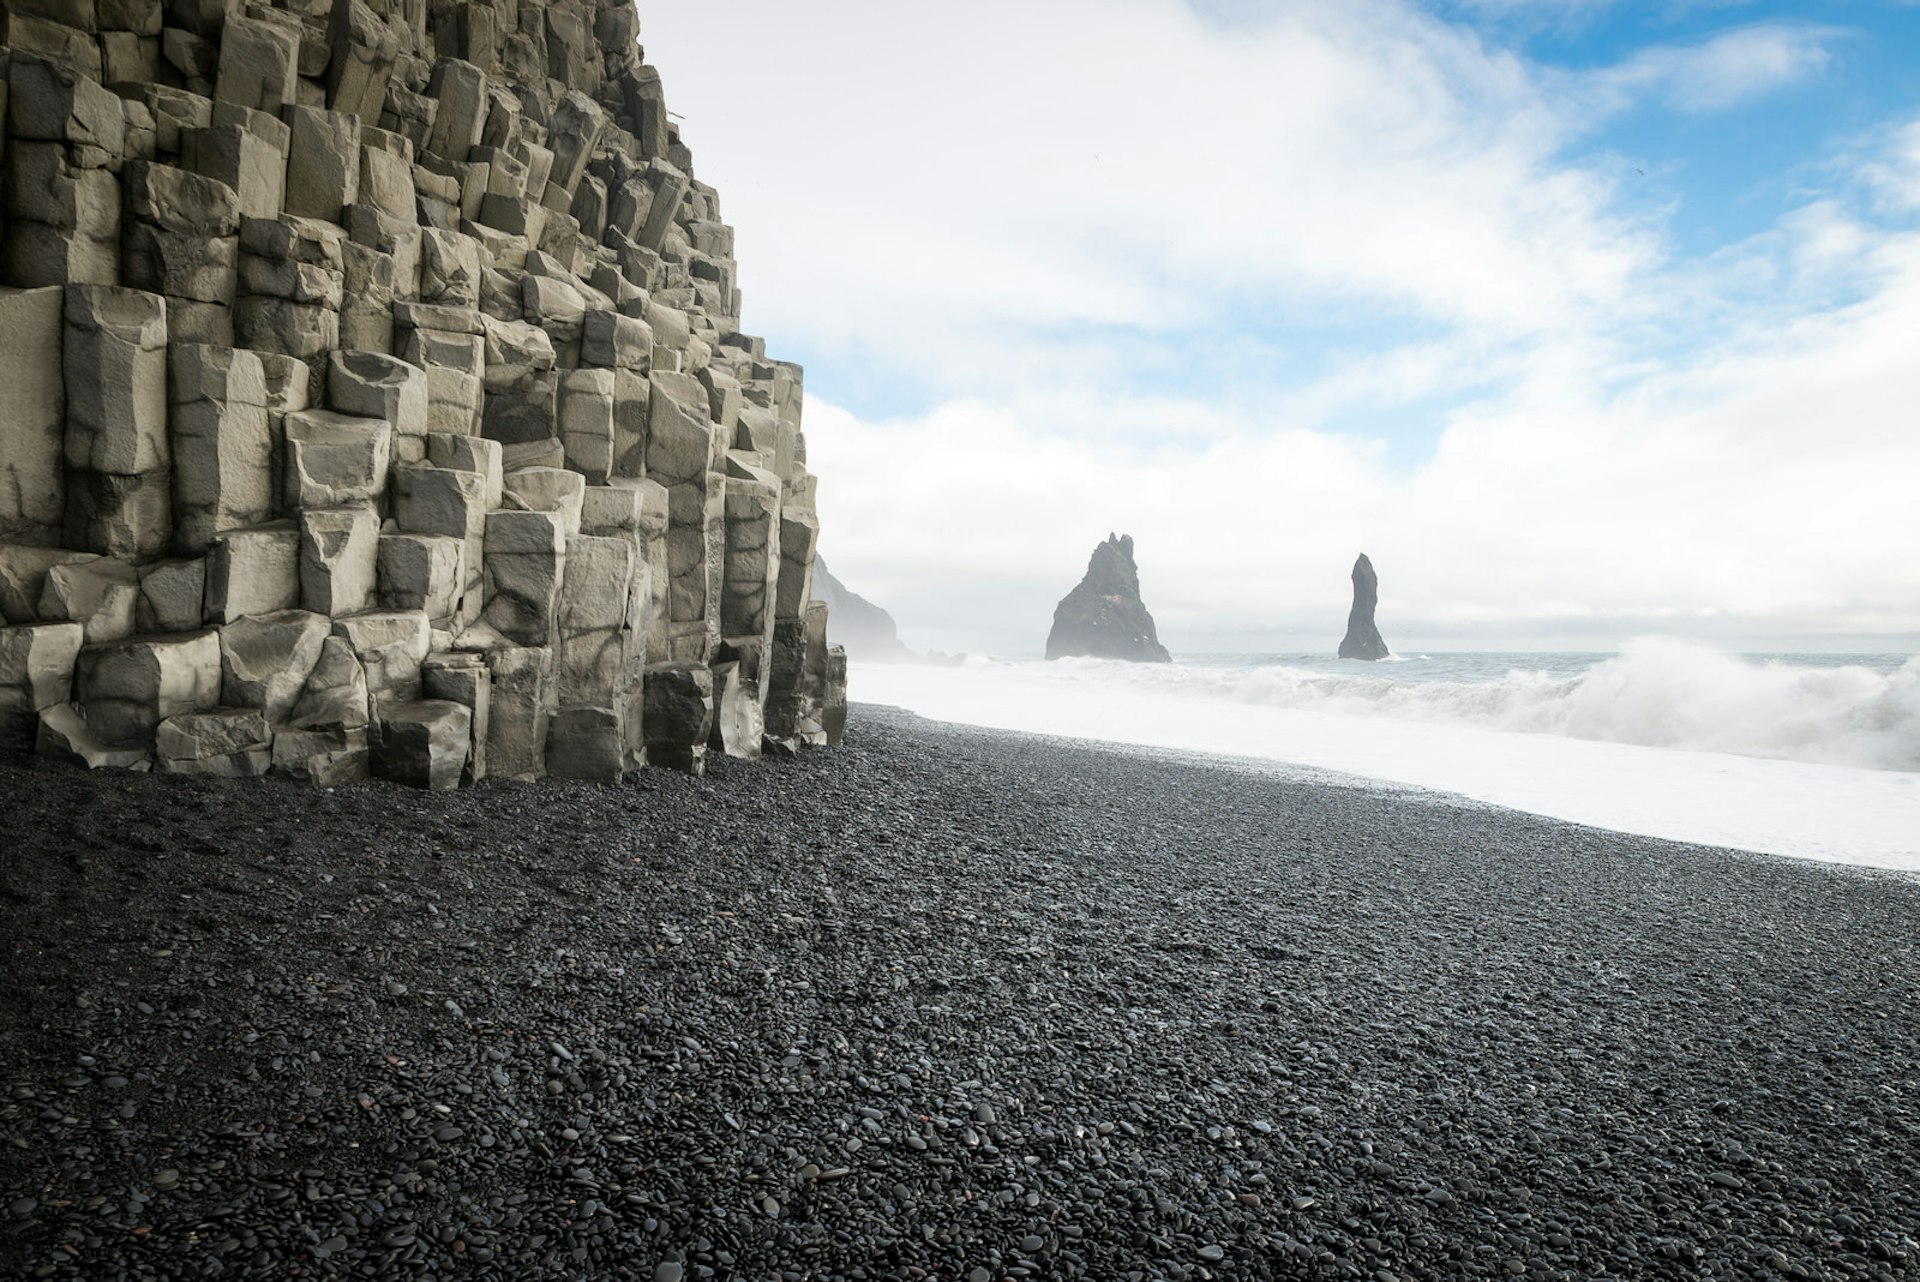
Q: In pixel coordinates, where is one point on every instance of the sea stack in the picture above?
(1363, 638)
(1103, 617)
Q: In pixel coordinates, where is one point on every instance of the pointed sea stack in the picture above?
(1363, 638)
(1104, 618)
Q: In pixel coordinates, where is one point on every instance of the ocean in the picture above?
(1807, 755)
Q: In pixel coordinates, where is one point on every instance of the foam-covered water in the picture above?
(1849, 710)
(1811, 755)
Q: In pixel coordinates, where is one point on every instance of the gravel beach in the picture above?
(945, 1003)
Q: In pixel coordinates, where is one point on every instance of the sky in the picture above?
(1585, 320)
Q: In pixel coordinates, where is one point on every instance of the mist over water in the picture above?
(1815, 756)
(1848, 710)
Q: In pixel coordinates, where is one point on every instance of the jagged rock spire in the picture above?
(1103, 617)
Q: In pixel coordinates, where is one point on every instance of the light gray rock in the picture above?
(221, 442)
(64, 734)
(524, 561)
(423, 572)
(517, 734)
(294, 238)
(33, 408)
(595, 644)
(739, 725)
(335, 693)
(179, 200)
(547, 489)
(244, 160)
(584, 414)
(102, 595)
(115, 368)
(324, 757)
(339, 559)
(363, 51)
(450, 264)
(799, 539)
(53, 103)
(23, 577)
(632, 395)
(587, 743)
(335, 460)
(466, 680)
(752, 555)
(36, 672)
(470, 454)
(172, 596)
(373, 385)
(129, 687)
(833, 713)
(460, 89)
(231, 743)
(259, 64)
(391, 645)
(251, 571)
(323, 163)
(265, 661)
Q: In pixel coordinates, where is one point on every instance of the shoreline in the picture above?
(944, 1000)
(1697, 796)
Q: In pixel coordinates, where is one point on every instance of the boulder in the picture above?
(1103, 617)
(64, 734)
(129, 687)
(679, 715)
(328, 756)
(265, 661)
(233, 743)
(423, 742)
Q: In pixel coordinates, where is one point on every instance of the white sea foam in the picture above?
(1666, 739)
(1655, 693)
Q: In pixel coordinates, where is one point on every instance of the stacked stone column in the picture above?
(376, 403)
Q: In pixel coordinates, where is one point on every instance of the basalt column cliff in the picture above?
(373, 399)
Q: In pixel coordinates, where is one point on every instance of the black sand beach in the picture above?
(945, 1003)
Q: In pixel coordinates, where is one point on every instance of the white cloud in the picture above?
(954, 181)
(1094, 232)
(1764, 489)
(1729, 70)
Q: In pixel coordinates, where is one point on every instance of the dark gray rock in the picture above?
(865, 629)
(1104, 617)
(1363, 638)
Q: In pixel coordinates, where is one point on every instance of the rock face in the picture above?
(1363, 638)
(373, 397)
(864, 630)
(1104, 617)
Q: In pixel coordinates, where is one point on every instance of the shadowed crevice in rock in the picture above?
(1103, 617)
(1363, 638)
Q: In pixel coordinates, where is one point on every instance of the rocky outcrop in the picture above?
(1363, 638)
(373, 398)
(1104, 617)
(864, 630)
